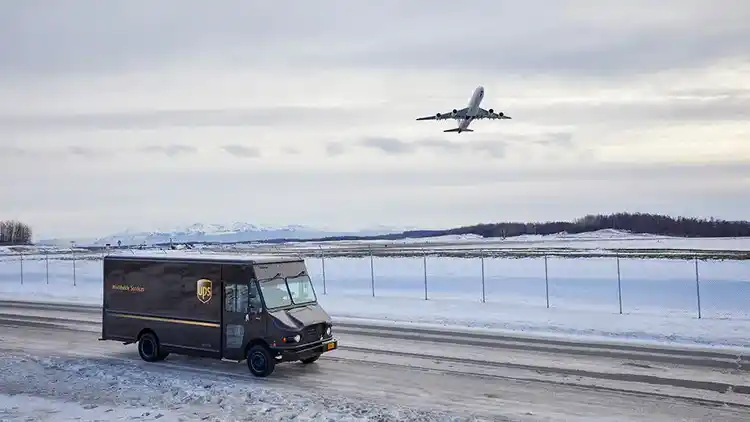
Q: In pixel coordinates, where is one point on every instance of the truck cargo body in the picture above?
(215, 306)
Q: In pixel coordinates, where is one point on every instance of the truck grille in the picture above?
(314, 332)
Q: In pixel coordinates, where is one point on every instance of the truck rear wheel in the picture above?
(149, 349)
(259, 361)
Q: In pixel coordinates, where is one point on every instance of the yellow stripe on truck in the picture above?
(161, 319)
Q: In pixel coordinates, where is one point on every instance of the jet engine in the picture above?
(491, 110)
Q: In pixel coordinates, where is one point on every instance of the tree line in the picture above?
(642, 223)
(14, 232)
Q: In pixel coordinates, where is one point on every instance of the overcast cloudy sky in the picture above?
(147, 114)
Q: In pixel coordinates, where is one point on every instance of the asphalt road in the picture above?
(460, 374)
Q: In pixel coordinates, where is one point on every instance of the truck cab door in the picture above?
(243, 317)
(255, 319)
(235, 309)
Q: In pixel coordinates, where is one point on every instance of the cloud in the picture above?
(442, 145)
(563, 140)
(589, 38)
(685, 106)
(158, 119)
(13, 151)
(241, 151)
(608, 104)
(334, 149)
(437, 196)
(172, 150)
(85, 151)
(290, 151)
(566, 38)
(495, 149)
(388, 145)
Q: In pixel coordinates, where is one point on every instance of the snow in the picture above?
(29, 408)
(592, 242)
(233, 234)
(62, 388)
(659, 296)
(601, 240)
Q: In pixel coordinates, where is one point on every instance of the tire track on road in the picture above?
(721, 359)
(718, 387)
(67, 324)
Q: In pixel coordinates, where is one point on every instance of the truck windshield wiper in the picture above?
(278, 275)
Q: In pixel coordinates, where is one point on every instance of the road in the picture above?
(378, 374)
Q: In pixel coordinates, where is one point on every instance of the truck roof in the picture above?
(169, 255)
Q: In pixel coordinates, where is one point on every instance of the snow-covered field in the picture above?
(603, 240)
(659, 297)
(594, 242)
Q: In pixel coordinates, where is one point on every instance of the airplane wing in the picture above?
(453, 114)
(490, 114)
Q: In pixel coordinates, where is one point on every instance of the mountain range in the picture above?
(221, 233)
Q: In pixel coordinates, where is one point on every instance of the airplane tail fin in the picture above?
(458, 130)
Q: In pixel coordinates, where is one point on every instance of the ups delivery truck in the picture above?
(260, 309)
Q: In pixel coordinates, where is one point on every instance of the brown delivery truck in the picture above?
(262, 309)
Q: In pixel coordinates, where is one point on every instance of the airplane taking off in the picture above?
(468, 114)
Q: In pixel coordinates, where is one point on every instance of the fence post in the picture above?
(481, 259)
(74, 268)
(323, 265)
(424, 266)
(697, 286)
(619, 283)
(46, 265)
(546, 280)
(372, 273)
(21, 267)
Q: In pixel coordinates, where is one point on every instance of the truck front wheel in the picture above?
(149, 349)
(259, 361)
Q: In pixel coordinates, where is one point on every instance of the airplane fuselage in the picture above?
(473, 108)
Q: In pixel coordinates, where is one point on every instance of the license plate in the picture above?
(330, 346)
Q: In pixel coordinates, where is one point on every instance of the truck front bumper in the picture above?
(304, 351)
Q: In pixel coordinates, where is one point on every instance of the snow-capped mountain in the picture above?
(229, 233)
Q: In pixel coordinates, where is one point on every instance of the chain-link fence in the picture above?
(613, 284)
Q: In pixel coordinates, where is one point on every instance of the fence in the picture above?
(619, 283)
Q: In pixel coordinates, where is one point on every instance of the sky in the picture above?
(160, 114)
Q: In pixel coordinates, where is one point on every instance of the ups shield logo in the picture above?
(204, 290)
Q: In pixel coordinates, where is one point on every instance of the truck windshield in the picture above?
(279, 292)
(301, 289)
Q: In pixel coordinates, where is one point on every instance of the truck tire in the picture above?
(148, 348)
(310, 360)
(259, 361)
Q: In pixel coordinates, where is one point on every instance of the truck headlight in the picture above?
(293, 339)
(328, 331)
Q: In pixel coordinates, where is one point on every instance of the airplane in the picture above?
(468, 114)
